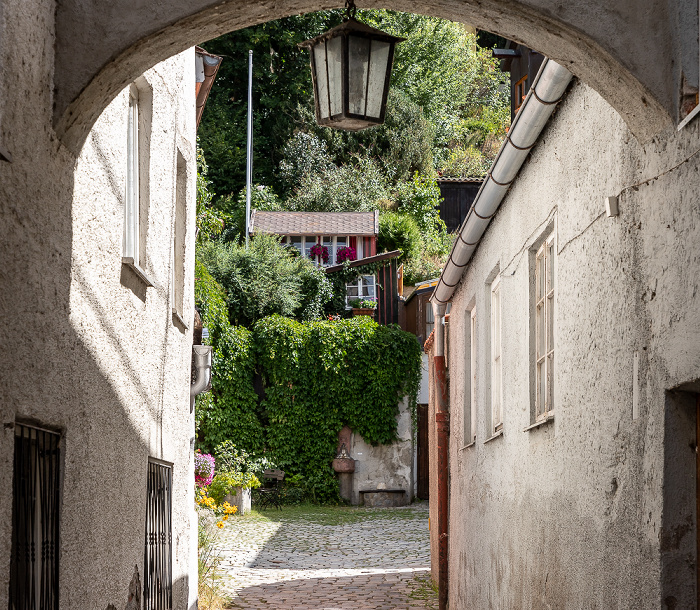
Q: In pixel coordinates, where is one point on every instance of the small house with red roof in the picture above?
(331, 239)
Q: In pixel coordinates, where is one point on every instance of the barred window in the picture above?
(158, 579)
(35, 510)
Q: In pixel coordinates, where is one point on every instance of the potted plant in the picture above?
(319, 251)
(363, 307)
(236, 476)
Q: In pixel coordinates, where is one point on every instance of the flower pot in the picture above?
(363, 311)
(241, 500)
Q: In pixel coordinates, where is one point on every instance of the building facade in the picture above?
(572, 353)
(98, 257)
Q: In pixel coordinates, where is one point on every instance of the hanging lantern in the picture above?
(351, 71)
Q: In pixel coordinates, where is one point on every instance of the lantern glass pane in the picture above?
(334, 56)
(358, 70)
(321, 79)
(377, 77)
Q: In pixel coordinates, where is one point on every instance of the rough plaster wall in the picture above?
(87, 355)
(385, 466)
(569, 515)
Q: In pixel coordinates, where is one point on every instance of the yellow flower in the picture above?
(225, 517)
(220, 524)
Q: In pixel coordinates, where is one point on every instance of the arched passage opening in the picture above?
(101, 48)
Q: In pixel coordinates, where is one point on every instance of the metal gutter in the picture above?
(546, 91)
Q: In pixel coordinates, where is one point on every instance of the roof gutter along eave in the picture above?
(546, 91)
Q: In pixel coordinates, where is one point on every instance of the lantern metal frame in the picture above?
(345, 119)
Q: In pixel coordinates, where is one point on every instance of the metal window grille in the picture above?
(158, 581)
(35, 516)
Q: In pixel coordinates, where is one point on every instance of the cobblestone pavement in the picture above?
(330, 559)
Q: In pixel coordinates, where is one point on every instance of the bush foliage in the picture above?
(316, 377)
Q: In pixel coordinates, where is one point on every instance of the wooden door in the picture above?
(422, 450)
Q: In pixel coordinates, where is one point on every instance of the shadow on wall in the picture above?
(679, 535)
(52, 380)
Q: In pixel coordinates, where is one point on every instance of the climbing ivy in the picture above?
(320, 376)
(316, 378)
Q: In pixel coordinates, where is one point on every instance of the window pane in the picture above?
(369, 287)
(540, 324)
(550, 324)
(540, 275)
(309, 243)
(334, 51)
(377, 77)
(296, 242)
(550, 266)
(541, 387)
(358, 64)
(550, 383)
(321, 79)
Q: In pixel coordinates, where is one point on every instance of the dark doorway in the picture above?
(422, 465)
(679, 531)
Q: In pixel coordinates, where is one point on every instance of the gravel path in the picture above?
(328, 558)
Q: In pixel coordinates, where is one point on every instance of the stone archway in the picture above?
(631, 53)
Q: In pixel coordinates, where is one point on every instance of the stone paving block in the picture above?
(373, 563)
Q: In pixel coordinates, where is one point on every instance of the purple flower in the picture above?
(203, 469)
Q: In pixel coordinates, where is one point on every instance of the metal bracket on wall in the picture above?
(5, 154)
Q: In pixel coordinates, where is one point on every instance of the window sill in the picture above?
(542, 422)
(179, 321)
(691, 115)
(469, 445)
(490, 438)
(129, 262)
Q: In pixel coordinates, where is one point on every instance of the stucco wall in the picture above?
(385, 466)
(89, 350)
(571, 514)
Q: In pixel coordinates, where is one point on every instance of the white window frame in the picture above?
(472, 378)
(358, 283)
(496, 358)
(179, 229)
(132, 255)
(132, 200)
(544, 330)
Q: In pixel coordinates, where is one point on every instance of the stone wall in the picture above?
(385, 466)
(593, 509)
(89, 350)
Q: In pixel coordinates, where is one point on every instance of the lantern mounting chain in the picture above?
(350, 9)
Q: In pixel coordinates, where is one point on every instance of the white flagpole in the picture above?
(249, 160)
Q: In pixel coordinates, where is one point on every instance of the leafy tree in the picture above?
(401, 146)
(266, 279)
(355, 187)
(281, 81)
(209, 222)
(233, 210)
(399, 232)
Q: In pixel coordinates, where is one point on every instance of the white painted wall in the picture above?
(91, 351)
(579, 512)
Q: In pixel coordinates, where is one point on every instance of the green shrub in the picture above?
(266, 279)
(399, 232)
(226, 483)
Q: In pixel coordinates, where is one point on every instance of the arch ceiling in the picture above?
(627, 51)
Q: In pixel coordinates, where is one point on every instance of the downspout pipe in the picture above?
(442, 423)
(201, 366)
(546, 91)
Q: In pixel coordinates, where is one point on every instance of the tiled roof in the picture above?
(314, 223)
